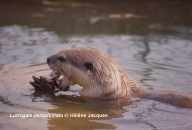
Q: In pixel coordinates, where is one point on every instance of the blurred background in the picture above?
(93, 17)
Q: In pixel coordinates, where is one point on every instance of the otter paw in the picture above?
(43, 85)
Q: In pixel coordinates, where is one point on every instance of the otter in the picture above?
(103, 78)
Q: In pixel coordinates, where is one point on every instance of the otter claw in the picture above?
(36, 80)
(36, 86)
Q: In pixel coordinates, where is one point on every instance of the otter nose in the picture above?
(52, 59)
(48, 60)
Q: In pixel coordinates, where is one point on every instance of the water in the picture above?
(151, 40)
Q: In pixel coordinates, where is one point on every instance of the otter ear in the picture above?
(89, 66)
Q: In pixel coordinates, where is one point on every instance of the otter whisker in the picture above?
(39, 70)
(34, 65)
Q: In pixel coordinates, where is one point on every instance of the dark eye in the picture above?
(61, 59)
(89, 66)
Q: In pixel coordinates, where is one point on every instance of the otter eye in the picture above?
(61, 59)
(89, 66)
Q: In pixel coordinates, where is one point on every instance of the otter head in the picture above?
(96, 72)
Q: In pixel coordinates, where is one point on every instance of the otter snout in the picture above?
(56, 59)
